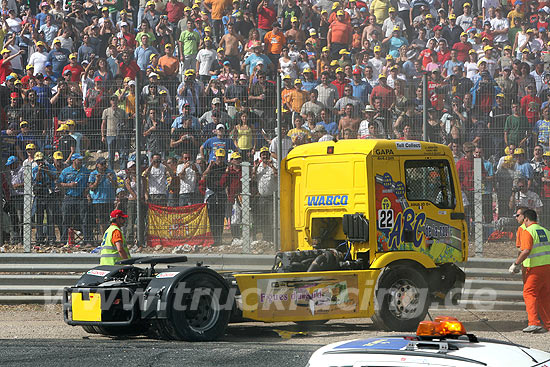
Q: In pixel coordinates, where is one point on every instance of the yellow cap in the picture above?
(466, 4)
(547, 153)
(57, 155)
(167, 45)
(22, 123)
(481, 62)
(62, 127)
(5, 51)
(472, 51)
(339, 70)
(235, 155)
(335, 5)
(150, 2)
(389, 57)
(463, 34)
(507, 47)
(519, 151)
(220, 152)
(334, 63)
(207, 29)
(396, 28)
(486, 48)
(297, 81)
(308, 70)
(40, 43)
(29, 67)
(187, 8)
(525, 50)
(57, 40)
(38, 156)
(30, 146)
(69, 123)
(382, 76)
(196, 6)
(285, 77)
(264, 149)
(73, 56)
(207, 39)
(107, 9)
(500, 95)
(391, 10)
(293, 19)
(220, 49)
(377, 48)
(340, 12)
(189, 72)
(324, 49)
(429, 16)
(152, 56)
(452, 16)
(530, 30)
(343, 52)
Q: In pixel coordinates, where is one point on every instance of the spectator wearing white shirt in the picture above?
(157, 183)
(500, 27)
(188, 173)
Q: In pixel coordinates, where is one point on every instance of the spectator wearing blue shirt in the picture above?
(542, 129)
(330, 127)
(214, 143)
(178, 121)
(523, 167)
(257, 58)
(308, 83)
(41, 17)
(58, 57)
(42, 178)
(102, 184)
(449, 65)
(74, 179)
(361, 89)
(142, 54)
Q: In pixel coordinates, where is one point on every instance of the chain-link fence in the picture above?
(213, 140)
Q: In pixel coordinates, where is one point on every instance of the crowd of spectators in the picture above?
(206, 75)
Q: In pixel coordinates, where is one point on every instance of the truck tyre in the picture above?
(204, 315)
(402, 299)
(127, 330)
(310, 323)
(90, 329)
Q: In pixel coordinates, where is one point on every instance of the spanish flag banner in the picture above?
(175, 226)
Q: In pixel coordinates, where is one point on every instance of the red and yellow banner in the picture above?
(175, 226)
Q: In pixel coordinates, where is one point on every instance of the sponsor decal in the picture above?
(327, 200)
(98, 273)
(407, 145)
(167, 274)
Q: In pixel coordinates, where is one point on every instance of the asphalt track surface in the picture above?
(90, 352)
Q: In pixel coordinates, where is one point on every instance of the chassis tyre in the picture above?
(90, 329)
(402, 299)
(311, 323)
(201, 314)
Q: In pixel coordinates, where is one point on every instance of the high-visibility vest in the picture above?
(540, 253)
(109, 252)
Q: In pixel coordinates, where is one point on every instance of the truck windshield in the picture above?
(430, 181)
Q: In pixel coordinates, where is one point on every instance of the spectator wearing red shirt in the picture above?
(75, 69)
(128, 68)
(530, 104)
(444, 52)
(340, 82)
(384, 91)
(266, 17)
(5, 64)
(26, 78)
(462, 47)
(174, 11)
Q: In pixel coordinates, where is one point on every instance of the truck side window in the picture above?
(430, 181)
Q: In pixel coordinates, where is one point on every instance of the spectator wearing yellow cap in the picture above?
(297, 35)
(5, 64)
(168, 63)
(216, 198)
(27, 142)
(295, 98)
(391, 22)
(466, 19)
(58, 57)
(339, 34)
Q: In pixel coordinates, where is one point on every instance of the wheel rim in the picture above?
(404, 299)
(205, 311)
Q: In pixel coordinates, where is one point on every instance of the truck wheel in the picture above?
(310, 323)
(90, 329)
(204, 315)
(128, 330)
(402, 299)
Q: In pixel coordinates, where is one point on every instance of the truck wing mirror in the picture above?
(356, 227)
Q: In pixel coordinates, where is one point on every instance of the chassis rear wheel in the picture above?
(402, 299)
(200, 314)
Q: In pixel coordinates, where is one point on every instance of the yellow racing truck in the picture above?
(369, 228)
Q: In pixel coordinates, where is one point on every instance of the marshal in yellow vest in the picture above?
(109, 252)
(540, 253)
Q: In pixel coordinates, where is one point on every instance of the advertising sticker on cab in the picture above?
(97, 273)
(408, 145)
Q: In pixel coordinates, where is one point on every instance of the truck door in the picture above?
(415, 205)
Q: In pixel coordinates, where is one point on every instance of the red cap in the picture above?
(98, 79)
(117, 213)
(356, 71)
(438, 28)
(14, 95)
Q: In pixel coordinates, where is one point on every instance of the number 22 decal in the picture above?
(385, 218)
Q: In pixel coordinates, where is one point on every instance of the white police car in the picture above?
(442, 342)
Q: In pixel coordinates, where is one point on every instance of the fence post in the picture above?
(27, 207)
(139, 187)
(277, 197)
(245, 193)
(425, 107)
(478, 207)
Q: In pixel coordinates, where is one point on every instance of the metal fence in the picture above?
(179, 125)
